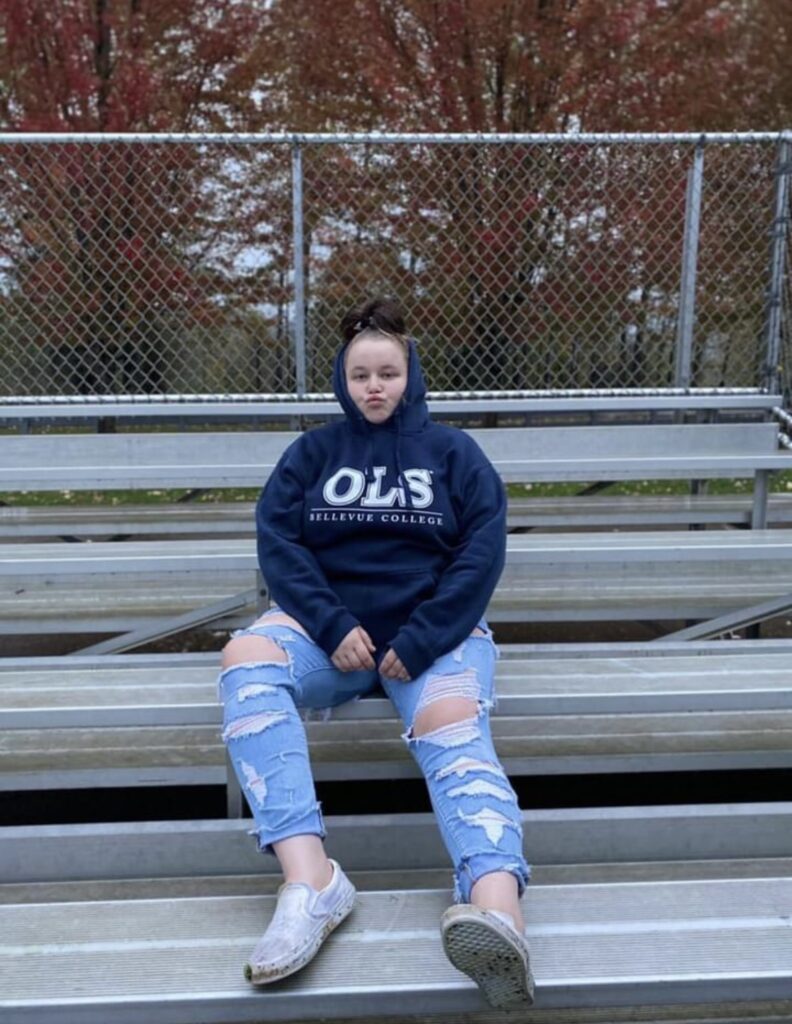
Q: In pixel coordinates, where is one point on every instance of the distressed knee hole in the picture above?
(464, 766)
(442, 712)
(255, 783)
(462, 685)
(493, 821)
(447, 699)
(246, 649)
(251, 725)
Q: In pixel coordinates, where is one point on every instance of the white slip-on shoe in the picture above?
(485, 945)
(303, 919)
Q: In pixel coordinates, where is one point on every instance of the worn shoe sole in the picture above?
(490, 953)
(265, 975)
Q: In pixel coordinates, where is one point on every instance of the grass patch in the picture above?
(779, 483)
(128, 497)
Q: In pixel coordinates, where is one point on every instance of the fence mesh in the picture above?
(161, 268)
(734, 265)
(786, 312)
(153, 268)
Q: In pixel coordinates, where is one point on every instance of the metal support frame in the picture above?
(235, 803)
(778, 246)
(731, 620)
(687, 291)
(262, 593)
(196, 617)
(298, 242)
(760, 495)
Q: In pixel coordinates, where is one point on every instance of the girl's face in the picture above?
(376, 376)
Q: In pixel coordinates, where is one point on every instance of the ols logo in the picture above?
(347, 486)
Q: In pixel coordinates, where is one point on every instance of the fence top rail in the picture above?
(324, 396)
(319, 138)
(282, 406)
(449, 407)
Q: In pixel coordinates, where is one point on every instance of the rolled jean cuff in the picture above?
(311, 823)
(479, 864)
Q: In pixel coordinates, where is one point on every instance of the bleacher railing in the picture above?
(220, 265)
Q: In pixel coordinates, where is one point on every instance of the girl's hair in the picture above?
(380, 315)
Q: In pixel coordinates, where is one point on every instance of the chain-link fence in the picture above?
(221, 265)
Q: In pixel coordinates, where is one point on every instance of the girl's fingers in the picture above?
(364, 659)
(392, 668)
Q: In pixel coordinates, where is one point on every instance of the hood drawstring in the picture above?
(398, 452)
(368, 469)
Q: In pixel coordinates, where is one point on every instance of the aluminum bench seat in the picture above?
(50, 691)
(90, 725)
(178, 960)
(524, 551)
(244, 459)
(83, 757)
(202, 519)
(93, 605)
(644, 510)
(641, 592)
(637, 591)
(112, 603)
(230, 519)
(663, 575)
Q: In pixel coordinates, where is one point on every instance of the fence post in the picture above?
(687, 290)
(778, 244)
(298, 244)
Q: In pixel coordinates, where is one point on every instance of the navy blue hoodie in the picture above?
(399, 527)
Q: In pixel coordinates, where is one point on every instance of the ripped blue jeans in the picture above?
(475, 806)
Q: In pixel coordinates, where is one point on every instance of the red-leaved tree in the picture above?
(115, 251)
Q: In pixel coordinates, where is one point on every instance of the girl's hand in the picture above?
(392, 668)
(354, 652)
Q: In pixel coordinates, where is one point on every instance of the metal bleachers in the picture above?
(635, 912)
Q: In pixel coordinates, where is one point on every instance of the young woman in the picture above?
(381, 537)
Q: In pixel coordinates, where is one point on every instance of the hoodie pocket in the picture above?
(384, 604)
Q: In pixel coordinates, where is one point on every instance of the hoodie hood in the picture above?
(412, 413)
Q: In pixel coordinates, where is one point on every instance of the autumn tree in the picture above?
(112, 249)
(123, 247)
(529, 65)
(495, 244)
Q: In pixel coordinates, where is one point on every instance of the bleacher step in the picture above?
(396, 842)
(39, 694)
(179, 961)
(375, 881)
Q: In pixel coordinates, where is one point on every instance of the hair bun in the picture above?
(380, 314)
